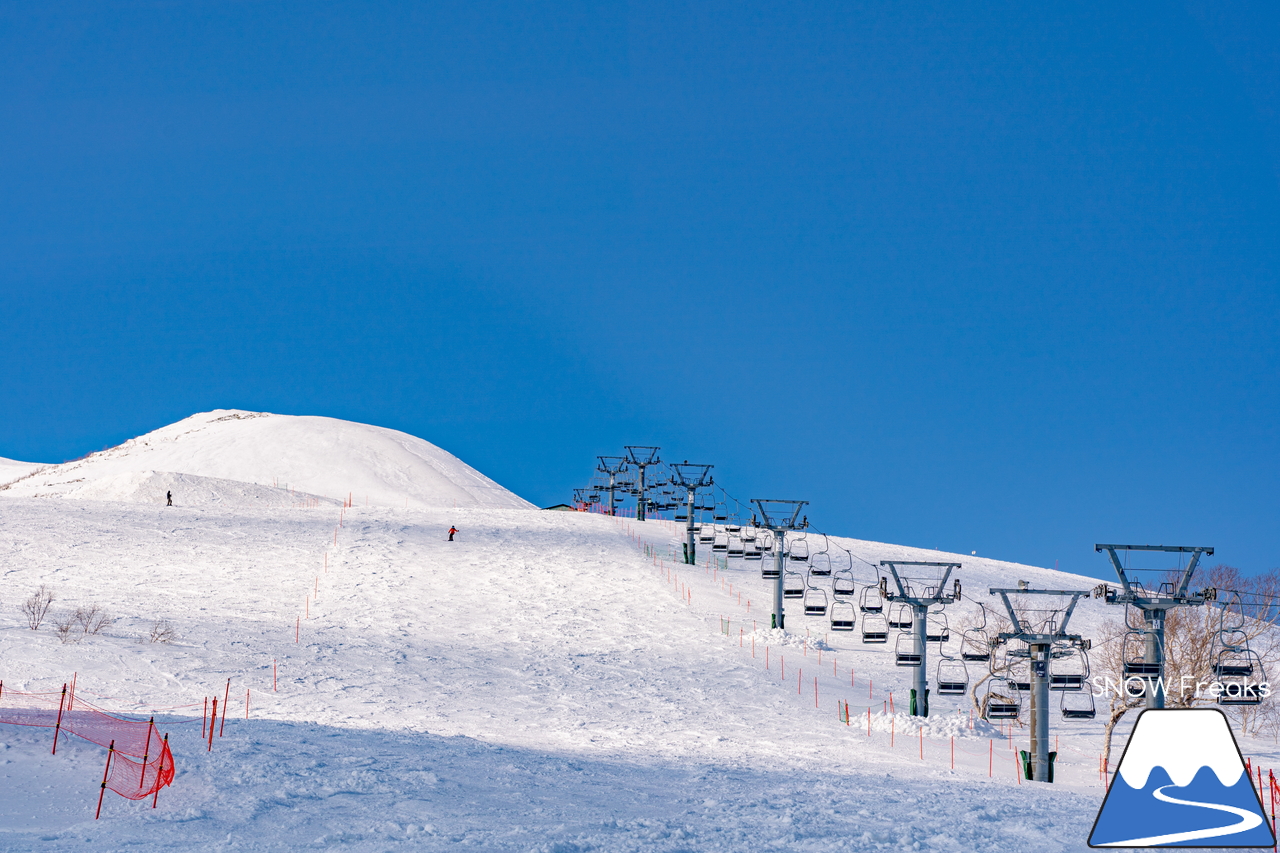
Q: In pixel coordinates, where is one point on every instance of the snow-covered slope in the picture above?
(538, 684)
(11, 469)
(315, 455)
(544, 683)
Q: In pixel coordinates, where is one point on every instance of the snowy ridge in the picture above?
(316, 455)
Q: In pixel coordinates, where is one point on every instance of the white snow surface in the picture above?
(1181, 742)
(540, 684)
(11, 469)
(314, 455)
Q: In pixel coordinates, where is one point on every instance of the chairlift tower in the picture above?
(642, 457)
(775, 516)
(691, 478)
(613, 466)
(1154, 608)
(1039, 640)
(920, 605)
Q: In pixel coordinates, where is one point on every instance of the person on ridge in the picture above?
(169, 495)
(452, 530)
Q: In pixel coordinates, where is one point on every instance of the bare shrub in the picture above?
(36, 608)
(65, 628)
(162, 632)
(92, 619)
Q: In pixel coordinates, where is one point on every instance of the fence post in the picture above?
(102, 792)
(212, 720)
(58, 726)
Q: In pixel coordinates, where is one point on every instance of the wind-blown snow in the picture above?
(1181, 742)
(315, 455)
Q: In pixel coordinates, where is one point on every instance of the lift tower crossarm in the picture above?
(1161, 602)
(1040, 647)
(691, 478)
(920, 621)
(774, 514)
(1021, 632)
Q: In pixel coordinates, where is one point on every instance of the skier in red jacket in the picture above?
(452, 530)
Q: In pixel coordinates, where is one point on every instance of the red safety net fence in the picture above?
(140, 763)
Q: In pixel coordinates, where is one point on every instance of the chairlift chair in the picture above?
(735, 547)
(953, 677)
(1068, 669)
(750, 551)
(1019, 673)
(820, 564)
(707, 534)
(768, 569)
(870, 600)
(905, 652)
(1234, 663)
(792, 585)
(843, 585)
(936, 628)
(797, 549)
(748, 534)
(1078, 705)
(1240, 691)
(874, 628)
(1133, 652)
(842, 615)
(815, 602)
(901, 617)
(720, 542)
(1002, 701)
(975, 645)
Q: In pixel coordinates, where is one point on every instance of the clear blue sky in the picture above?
(974, 276)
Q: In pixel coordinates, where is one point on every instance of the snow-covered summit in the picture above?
(313, 455)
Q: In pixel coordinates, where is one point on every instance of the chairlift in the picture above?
(815, 602)
(748, 534)
(1002, 701)
(1241, 691)
(1078, 705)
(901, 617)
(750, 551)
(1133, 651)
(842, 615)
(1019, 673)
(953, 677)
(936, 628)
(905, 652)
(720, 542)
(1234, 663)
(768, 569)
(820, 564)
(735, 547)
(707, 534)
(874, 628)
(1068, 669)
(975, 645)
(797, 549)
(765, 540)
(843, 585)
(792, 585)
(870, 601)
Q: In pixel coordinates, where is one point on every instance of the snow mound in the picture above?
(312, 455)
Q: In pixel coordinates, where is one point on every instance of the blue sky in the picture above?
(971, 276)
